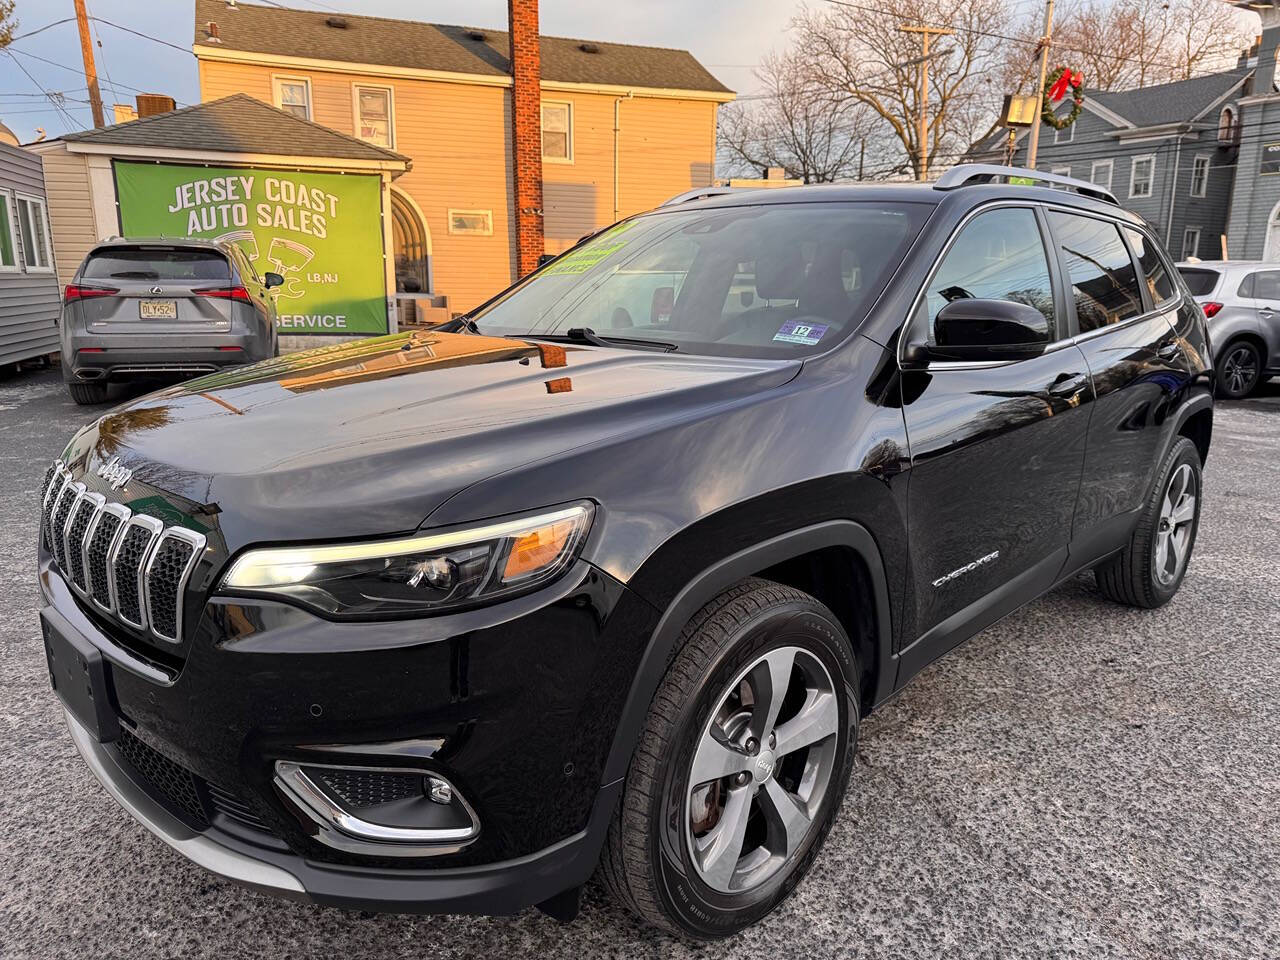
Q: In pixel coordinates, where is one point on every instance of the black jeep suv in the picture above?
(604, 578)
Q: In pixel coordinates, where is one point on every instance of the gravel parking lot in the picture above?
(1080, 780)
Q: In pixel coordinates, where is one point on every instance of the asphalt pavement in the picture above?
(1081, 780)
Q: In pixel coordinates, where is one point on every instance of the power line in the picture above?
(32, 33)
(68, 121)
(63, 66)
(144, 36)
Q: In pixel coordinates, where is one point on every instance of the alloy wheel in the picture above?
(1177, 523)
(1240, 370)
(761, 769)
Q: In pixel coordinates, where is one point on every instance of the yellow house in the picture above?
(623, 127)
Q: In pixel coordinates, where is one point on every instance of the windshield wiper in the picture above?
(587, 335)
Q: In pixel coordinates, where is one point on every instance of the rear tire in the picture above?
(1239, 370)
(670, 856)
(86, 394)
(1149, 570)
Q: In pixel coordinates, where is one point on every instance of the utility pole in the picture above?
(90, 70)
(1045, 42)
(926, 33)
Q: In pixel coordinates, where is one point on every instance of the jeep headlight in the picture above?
(418, 575)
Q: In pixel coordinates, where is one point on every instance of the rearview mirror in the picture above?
(985, 330)
(270, 280)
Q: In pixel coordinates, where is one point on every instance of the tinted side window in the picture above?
(1103, 282)
(1266, 285)
(998, 256)
(1153, 269)
(1200, 282)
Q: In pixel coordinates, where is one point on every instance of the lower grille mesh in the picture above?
(367, 788)
(175, 781)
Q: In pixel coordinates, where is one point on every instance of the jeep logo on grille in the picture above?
(115, 473)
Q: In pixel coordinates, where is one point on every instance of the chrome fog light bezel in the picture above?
(344, 830)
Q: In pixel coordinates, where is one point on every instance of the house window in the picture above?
(471, 222)
(33, 227)
(557, 131)
(1227, 128)
(1142, 176)
(293, 95)
(1065, 135)
(1100, 173)
(1200, 176)
(8, 248)
(1270, 159)
(1190, 243)
(375, 120)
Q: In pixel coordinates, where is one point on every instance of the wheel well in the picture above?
(1198, 428)
(839, 579)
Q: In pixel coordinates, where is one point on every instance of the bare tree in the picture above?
(795, 125)
(7, 24)
(1122, 44)
(866, 60)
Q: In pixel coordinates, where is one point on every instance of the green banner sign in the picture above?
(321, 231)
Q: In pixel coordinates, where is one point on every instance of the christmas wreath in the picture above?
(1055, 88)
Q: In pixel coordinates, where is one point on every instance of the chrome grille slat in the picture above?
(61, 517)
(82, 518)
(165, 580)
(128, 561)
(130, 566)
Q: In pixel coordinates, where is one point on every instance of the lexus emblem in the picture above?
(115, 473)
(157, 289)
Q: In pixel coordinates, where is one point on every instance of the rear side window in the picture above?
(1201, 282)
(1154, 273)
(1266, 285)
(999, 255)
(1104, 283)
(175, 266)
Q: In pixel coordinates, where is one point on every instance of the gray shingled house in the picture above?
(29, 300)
(1168, 152)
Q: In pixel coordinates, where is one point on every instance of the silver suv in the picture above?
(1241, 300)
(163, 308)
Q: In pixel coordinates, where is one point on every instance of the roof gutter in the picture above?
(394, 167)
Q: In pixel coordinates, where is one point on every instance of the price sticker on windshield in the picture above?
(794, 331)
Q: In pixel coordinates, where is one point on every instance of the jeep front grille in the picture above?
(128, 565)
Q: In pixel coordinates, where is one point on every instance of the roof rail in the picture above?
(965, 174)
(699, 193)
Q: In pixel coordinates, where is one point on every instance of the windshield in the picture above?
(761, 281)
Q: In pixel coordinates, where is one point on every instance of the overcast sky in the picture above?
(727, 36)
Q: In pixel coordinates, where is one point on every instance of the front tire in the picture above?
(741, 766)
(1149, 570)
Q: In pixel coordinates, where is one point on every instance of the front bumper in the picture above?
(516, 704)
(496, 888)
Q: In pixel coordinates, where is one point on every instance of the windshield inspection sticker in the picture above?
(806, 333)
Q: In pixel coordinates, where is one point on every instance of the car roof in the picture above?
(193, 243)
(969, 195)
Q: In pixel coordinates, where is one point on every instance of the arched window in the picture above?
(1228, 129)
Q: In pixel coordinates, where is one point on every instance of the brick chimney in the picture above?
(526, 132)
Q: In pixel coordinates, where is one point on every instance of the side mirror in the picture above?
(270, 280)
(984, 330)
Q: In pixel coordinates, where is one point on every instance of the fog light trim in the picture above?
(341, 829)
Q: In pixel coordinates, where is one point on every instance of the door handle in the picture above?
(1067, 385)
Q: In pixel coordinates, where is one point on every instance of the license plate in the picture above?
(79, 676)
(158, 309)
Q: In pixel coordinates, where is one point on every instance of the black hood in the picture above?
(368, 438)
